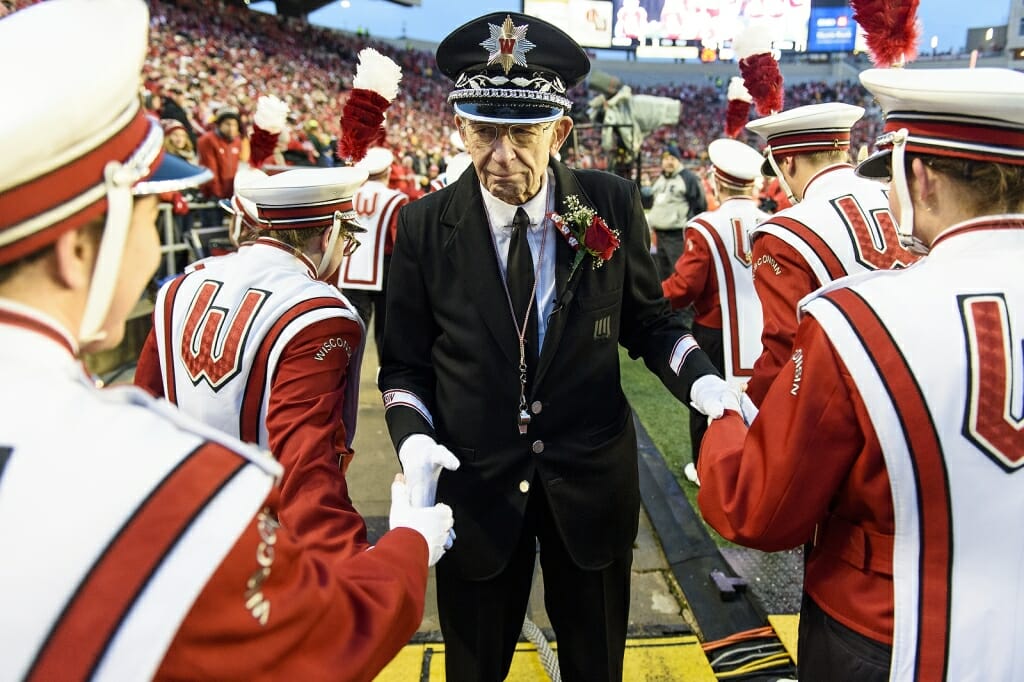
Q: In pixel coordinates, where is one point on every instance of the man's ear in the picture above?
(563, 127)
(458, 126)
(925, 184)
(75, 256)
(788, 164)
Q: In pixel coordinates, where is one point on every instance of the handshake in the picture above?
(712, 396)
(413, 493)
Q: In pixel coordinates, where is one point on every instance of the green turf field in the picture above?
(665, 419)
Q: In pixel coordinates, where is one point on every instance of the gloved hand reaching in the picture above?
(422, 460)
(712, 396)
(434, 523)
(748, 408)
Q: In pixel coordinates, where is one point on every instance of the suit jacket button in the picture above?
(538, 446)
(524, 487)
(536, 407)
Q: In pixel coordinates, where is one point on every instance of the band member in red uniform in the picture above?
(148, 545)
(893, 436)
(713, 274)
(363, 275)
(261, 346)
(839, 224)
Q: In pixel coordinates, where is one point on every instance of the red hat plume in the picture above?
(737, 111)
(267, 124)
(760, 70)
(375, 86)
(891, 29)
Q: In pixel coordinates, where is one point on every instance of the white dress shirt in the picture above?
(499, 216)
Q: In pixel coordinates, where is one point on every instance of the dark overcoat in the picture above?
(449, 368)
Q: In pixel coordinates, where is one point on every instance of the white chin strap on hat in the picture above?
(905, 225)
(237, 220)
(118, 179)
(235, 229)
(782, 180)
(325, 260)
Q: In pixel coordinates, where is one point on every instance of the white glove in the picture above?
(434, 524)
(748, 408)
(422, 460)
(712, 396)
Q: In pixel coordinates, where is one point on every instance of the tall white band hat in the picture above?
(804, 130)
(975, 114)
(377, 160)
(736, 164)
(972, 114)
(241, 210)
(308, 198)
(511, 68)
(78, 144)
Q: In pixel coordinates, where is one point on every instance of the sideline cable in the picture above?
(547, 656)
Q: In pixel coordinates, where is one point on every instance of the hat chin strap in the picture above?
(235, 229)
(905, 225)
(782, 180)
(325, 260)
(118, 179)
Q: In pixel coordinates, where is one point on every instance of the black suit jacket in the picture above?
(449, 368)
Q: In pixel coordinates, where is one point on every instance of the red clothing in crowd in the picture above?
(221, 157)
(404, 180)
(772, 190)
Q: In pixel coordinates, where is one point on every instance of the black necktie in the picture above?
(521, 278)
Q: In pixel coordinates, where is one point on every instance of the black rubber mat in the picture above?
(775, 579)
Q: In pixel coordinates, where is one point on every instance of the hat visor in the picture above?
(877, 166)
(352, 224)
(172, 175)
(766, 169)
(225, 205)
(509, 111)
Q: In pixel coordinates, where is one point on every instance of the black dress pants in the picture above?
(828, 651)
(589, 610)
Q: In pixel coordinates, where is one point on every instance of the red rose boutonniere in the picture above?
(586, 232)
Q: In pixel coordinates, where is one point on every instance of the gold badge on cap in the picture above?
(507, 45)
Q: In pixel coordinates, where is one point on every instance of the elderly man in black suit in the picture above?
(510, 291)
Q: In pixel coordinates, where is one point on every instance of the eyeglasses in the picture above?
(350, 245)
(520, 134)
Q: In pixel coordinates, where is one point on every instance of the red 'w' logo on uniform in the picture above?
(208, 350)
(989, 419)
(507, 45)
(366, 204)
(874, 235)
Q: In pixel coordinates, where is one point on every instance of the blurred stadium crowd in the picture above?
(208, 55)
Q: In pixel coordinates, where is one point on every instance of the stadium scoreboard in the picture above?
(700, 29)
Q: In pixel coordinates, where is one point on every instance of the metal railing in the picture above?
(172, 241)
